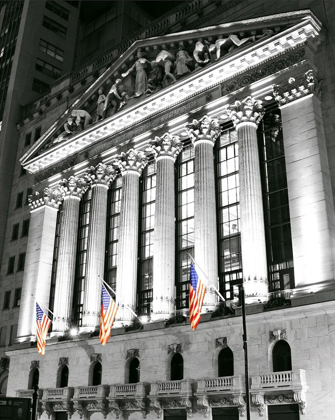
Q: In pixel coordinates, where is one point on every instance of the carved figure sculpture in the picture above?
(83, 118)
(201, 53)
(114, 98)
(77, 121)
(101, 105)
(165, 59)
(141, 79)
(183, 61)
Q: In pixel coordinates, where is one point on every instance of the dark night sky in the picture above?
(158, 8)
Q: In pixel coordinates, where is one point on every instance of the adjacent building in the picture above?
(210, 143)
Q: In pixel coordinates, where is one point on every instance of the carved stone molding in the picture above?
(297, 87)
(278, 399)
(300, 398)
(222, 402)
(101, 406)
(51, 197)
(4, 363)
(74, 186)
(63, 361)
(277, 335)
(156, 406)
(248, 110)
(131, 161)
(131, 353)
(166, 146)
(64, 406)
(203, 404)
(80, 408)
(115, 408)
(96, 357)
(101, 174)
(174, 348)
(258, 399)
(221, 342)
(183, 403)
(47, 408)
(238, 400)
(34, 364)
(205, 129)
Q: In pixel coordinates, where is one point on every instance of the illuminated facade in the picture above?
(216, 148)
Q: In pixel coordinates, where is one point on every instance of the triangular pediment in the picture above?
(230, 44)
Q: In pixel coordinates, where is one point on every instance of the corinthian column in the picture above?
(39, 258)
(246, 116)
(166, 150)
(203, 134)
(73, 190)
(100, 177)
(131, 165)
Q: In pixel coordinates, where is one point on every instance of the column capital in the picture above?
(74, 186)
(206, 129)
(249, 110)
(166, 146)
(100, 175)
(51, 197)
(132, 160)
(296, 88)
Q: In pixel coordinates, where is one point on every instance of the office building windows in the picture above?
(28, 194)
(19, 200)
(25, 227)
(3, 332)
(6, 300)
(27, 139)
(11, 263)
(15, 231)
(54, 26)
(37, 133)
(39, 86)
(51, 50)
(48, 69)
(57, 9)
(17, 297)
(22, 259)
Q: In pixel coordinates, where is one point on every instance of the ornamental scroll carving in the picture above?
(74, 186)
(297, 87)
(258, 399)
(131, 353)
(34, 364)
(96, 357)
(101, 174)
(248, 110)
(51, 197)
(174, 348)
(277, 335)
(221, 342)
(166, 146)
(63, 361)
(132, 160)
(206, 128)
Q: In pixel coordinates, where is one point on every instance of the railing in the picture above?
(214, 384)
(55, 392)
(276, 379)
(125, 389)
(88, 391)
(168, 387)
(287, 379)
(24, 393)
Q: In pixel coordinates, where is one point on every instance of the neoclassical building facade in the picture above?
(210, 145)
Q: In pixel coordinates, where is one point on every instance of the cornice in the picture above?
(304, 33)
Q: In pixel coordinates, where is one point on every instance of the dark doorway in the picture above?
(134, 371)
(35, 378)
(97, 372)
(227, 413)
(177, 367)
(281, 356)
(226, 362)
(279, 412)
(62, 415)
(175, 415)
(64, 377)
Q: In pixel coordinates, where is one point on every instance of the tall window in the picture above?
(226, 362)
(281, 356)
(112, 237)
(48, 69)
(55, 259)
(84, 221)
(64, 377)
(177, 367)
(185, 223)
(276, 206)
(34, 377)
(148, 196)
(229, 233)
(96, 374)
(134, 371)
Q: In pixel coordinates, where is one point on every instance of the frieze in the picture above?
(253, 75)
(278, 399)
(66, 164)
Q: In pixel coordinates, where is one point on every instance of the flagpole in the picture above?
(245, 348)
(41, 304)
(211, 286)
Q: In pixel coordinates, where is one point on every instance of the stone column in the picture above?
(203, 134)
(166, 150)
(100, 177)
(308, 181)
(73, 190)
(39, 258)
(131, 165)
(246, 116)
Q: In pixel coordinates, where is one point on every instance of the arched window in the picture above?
(34, 377)
(97, 373)
(177, 367)
(134, 371)
(64, 377)
(281, 356)
(226, 362)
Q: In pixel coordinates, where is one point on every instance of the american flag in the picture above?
(108, 313)
(197, 295)
(42, 328)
